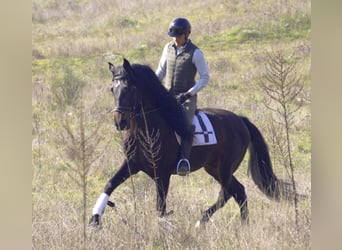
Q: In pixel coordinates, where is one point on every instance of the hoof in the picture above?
(95, 221)
(165, 214)
(200, 224)
(169, 213)
(245, 221)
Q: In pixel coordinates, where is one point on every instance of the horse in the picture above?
(149, 116)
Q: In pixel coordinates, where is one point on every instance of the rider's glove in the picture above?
(182, 97)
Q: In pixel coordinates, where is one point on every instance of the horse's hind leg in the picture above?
(238, 192)
(228, 189)
(224, 196)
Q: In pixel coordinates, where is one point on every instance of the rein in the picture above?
(136, 113)
(141, 113)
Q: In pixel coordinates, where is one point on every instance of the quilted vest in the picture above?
(180, 72)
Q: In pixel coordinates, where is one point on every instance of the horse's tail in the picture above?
(260, 165)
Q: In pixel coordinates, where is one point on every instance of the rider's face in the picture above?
(179, 40)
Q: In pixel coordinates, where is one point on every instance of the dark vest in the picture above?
(180, 71)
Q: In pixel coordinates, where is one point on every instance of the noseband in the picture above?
(122, 109)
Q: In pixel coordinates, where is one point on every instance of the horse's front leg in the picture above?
(162, 184)
(120, 176)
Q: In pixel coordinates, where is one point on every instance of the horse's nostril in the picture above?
(124, 124)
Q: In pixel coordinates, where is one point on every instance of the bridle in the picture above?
(135, 110)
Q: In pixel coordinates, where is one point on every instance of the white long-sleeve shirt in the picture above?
(199, 62)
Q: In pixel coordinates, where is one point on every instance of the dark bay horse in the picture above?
(149, 116)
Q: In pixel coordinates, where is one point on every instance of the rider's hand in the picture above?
(182, 97)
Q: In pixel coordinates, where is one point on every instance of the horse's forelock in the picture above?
(119, 72)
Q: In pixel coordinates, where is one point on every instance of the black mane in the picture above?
(149, 85)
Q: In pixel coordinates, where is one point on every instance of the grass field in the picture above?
(72, 41)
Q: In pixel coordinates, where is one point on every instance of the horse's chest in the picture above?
(145, 152)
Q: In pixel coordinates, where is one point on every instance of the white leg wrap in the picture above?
(100, 204)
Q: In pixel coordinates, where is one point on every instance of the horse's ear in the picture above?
(111, 66)
(126, 65)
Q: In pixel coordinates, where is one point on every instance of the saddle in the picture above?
(204, 133)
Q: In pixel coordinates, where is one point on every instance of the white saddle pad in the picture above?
(204, 132)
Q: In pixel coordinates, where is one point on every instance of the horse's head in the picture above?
(125, 94)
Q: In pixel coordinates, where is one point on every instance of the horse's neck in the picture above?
(145, 132)
(149, 119)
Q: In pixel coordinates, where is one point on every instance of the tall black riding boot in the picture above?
(183, 166)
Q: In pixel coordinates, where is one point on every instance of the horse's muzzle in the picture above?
(121, 121)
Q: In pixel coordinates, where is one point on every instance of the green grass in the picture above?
(289, 28)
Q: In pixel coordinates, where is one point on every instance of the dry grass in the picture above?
(56, 220)
(79, 34)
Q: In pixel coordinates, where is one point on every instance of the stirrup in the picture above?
(183, 167)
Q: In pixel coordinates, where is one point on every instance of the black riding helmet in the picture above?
(179, 26)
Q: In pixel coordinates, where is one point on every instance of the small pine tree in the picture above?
(78, 135)
(282, 86)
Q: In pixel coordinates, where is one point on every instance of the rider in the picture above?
(180, 61)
